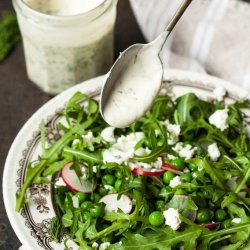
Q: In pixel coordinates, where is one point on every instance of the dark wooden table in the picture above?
(20, 98)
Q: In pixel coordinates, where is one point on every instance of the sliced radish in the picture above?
(171, 168)
(72, 181)
(211, 225)
(113, 204)
(149, 172)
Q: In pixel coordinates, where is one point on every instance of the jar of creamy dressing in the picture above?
(66, 41)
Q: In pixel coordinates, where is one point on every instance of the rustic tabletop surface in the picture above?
(20, 98)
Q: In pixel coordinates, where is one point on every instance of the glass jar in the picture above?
(66, 41)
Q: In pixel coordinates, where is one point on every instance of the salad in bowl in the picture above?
(178, 178)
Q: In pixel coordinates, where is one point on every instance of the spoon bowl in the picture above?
(134, 67)
(134, 81)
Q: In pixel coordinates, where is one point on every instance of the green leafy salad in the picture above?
(178, 178)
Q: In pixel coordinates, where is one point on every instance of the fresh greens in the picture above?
(210, 196)
(9, 35)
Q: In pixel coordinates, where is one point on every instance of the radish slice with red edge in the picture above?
(211, 225)
(113, 203)
(171, 168)
(149, 172)
(72, 181)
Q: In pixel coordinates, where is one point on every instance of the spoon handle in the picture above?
(178, 15)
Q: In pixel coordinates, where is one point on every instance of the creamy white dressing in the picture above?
(137, 86)
(63, 7)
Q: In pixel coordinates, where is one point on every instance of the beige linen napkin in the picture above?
(213, 36)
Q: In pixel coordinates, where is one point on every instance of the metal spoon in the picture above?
(135, 79)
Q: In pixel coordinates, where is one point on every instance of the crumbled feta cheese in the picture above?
(94, 169)
(142, 151)
(123, 149)
(76, 142)
(219, 119)
(95, 245)
(219, 93)
(172, 218)
(60, 182)
(214, 152)
(108, 187)
(173, 131)
(104, 246)
(176, 181)
(152, 165)
(86, 106)
(75, 202)
(171, 157)
(88, 137)
(84, 176)
(236, 220)
(108, 134)
(186, 151)
(186, 170)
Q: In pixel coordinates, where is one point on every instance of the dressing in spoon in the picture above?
(135, 79)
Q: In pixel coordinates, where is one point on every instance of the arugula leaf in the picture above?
(67, 218)
(191, 108)
(55, 167)
(165, 239)
(156, 150)
(82, 227)
(83, 155)
(214, 174)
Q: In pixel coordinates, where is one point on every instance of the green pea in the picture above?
(203, 215)
(226, 224)
(178, 163)
(180, 191)
(86, 204)
(118, 184)
(102, 191)
(96, 211)
(108, 179)
(156, 218)
(81, 196)
(95, 197)
(220, 215)
(160, 205)
(168, 176)
(163, 192)
(160, 143)
(118, 174)
(186, 177)
(86, 216)
(192, 167)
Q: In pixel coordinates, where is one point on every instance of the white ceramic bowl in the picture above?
(32, 224)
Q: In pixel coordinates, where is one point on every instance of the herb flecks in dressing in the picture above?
(136, 87)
